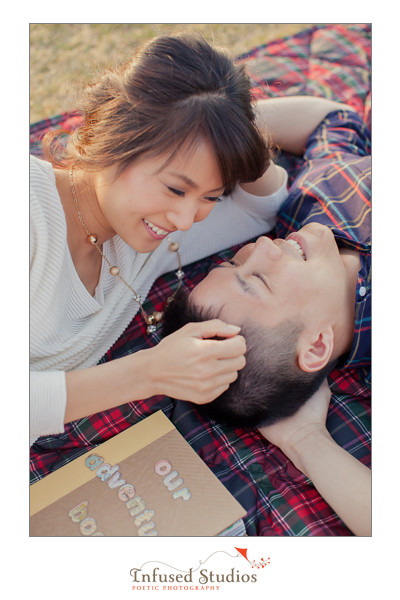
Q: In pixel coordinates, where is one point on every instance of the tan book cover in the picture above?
(146, 481)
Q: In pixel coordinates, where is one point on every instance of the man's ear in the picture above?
(315, 352)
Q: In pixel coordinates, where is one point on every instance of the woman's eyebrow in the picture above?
(184, 178)
(191, 183)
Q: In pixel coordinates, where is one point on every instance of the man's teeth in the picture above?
(297, 246)
(156, 229)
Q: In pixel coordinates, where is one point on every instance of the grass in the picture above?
(65, 55)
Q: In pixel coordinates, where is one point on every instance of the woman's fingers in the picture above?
(210, 329)
(208, 390)
(229, 365)
(231, 345)
(193, 367)
(225, 349)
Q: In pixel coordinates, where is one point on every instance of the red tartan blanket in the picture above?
(333, 61)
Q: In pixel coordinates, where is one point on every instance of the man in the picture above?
(303, 299)
(303, 302)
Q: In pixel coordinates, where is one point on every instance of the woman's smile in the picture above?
(155, 232)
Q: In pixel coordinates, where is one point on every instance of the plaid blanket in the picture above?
(332, 61)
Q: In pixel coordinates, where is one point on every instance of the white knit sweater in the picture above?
(70, 329)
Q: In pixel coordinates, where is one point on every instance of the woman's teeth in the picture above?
(156, 229)
(297, 246)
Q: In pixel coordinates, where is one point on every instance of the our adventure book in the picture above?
(145, 481)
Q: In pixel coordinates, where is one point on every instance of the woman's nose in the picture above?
(186, 214)
(182, 219)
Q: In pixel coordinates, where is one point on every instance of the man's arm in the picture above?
(269, 183)
(343, 481)
(291, 120)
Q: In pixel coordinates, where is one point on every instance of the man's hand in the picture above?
(311, 417)
(343, 481)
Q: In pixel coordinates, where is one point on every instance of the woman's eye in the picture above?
(175, 191)
(214, 198)
(181, 194)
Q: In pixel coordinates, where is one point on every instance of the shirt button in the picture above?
(362, 291)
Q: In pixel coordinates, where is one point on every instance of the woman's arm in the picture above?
(185, 365)
(343, 481)
(290, 120)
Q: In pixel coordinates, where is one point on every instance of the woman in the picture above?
(162, 141)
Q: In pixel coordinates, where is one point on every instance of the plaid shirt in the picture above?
(334, 188)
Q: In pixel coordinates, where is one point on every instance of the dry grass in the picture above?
(65, 55)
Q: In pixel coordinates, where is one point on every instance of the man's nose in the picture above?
(263, 252)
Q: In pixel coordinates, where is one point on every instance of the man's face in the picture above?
(268, 282)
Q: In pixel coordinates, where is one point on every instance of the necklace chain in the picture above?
(153, 319)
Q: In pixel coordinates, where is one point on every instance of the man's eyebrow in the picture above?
(191, 183)
(246, 288)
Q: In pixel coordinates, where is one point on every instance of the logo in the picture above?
(206, 576)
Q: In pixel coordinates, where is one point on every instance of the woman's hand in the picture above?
(311, 417)
(188, 365)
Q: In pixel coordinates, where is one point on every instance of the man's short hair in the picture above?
(271, 386)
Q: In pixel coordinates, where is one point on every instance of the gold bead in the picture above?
(174, 246)
(150, 319)
(114, 271)
(157, 316)
(92, 238)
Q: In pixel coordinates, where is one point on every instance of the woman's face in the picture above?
(153, 197)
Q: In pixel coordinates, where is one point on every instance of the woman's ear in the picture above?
(314, 353)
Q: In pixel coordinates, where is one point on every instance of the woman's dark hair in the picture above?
(174, 92)
(271, 386)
